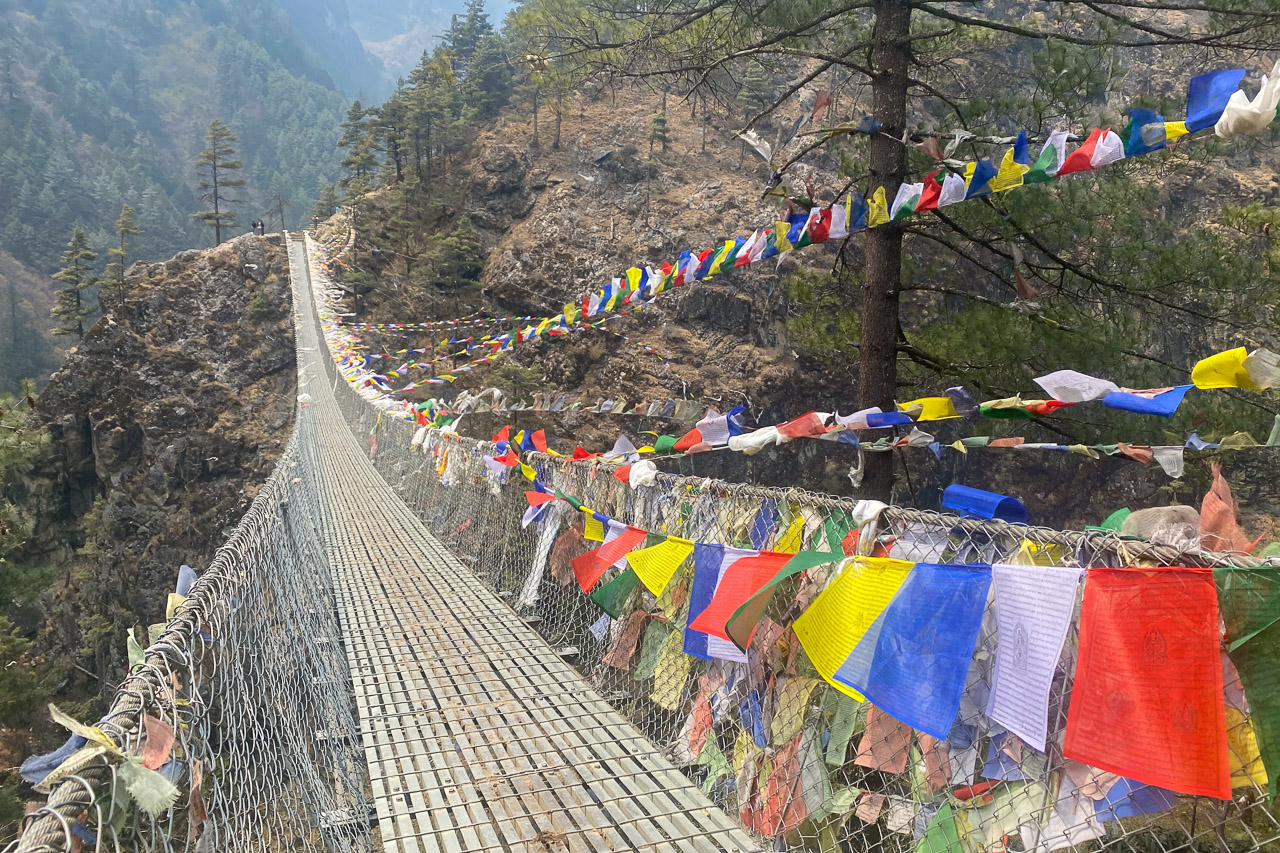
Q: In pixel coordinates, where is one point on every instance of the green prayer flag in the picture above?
(1040, 169)
(717, 765)
(655, 637)
(745, 619)
(942, 835)
(843, 723)
(907, 210)
(612, 597)
(1249, 601)
(1116, 519)
(835, 528)
(1006, 414)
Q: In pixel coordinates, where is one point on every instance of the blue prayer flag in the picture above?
(876, 420)
(1021, 151)
(1128, 798)
(706, 572)
(1161, 404)
(762, 527)
(979, 184)
(797, 221)
(857, 212)
(913, 660)
(1207, 97)
(1146, 132)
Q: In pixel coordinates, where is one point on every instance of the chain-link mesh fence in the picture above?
(261, 696)
(251, 679)
(805, 765)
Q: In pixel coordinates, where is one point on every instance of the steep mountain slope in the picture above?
(161, 427)
(106, 103)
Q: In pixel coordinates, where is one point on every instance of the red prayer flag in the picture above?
(932, 192)
(1081, 160)
(1147, 700)
(805, 426)
(820, 226)
(689, 439)
(588, 567)
(744, 578)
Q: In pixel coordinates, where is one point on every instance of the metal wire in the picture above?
(800, 764)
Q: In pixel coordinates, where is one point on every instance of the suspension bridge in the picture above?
(383, 658)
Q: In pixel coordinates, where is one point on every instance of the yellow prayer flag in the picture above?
(719, 257)
(671, 673)
(656, 565)
(1039, 554)
(832, 626)
(933, 408)
(1245, 759)
(1224, 370)
(594, 530)
(1010, 174)
(877, 209)
(1175, 130)
(780, 231)
(793, 538)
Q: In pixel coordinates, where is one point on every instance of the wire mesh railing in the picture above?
(251, 678)
(250, 681)
(805, 765)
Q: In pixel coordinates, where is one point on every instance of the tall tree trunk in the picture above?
(555, 143)
(217, 218)
(878, 367)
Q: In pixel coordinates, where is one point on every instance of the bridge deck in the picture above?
(477, 736)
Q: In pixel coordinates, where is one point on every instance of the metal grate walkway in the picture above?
(477, 736)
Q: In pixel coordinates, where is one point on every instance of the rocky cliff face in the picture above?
(163, 423)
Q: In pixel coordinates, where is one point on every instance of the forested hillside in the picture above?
(106, 103)
(533, 162)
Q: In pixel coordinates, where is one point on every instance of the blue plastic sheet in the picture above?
(1161, 404)
(975, 502)
(913, 661)
(1207, 97)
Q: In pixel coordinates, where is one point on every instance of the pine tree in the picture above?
(212, 167)
(457, 259)
(71, 303)
(328, 201)
(113, 278)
